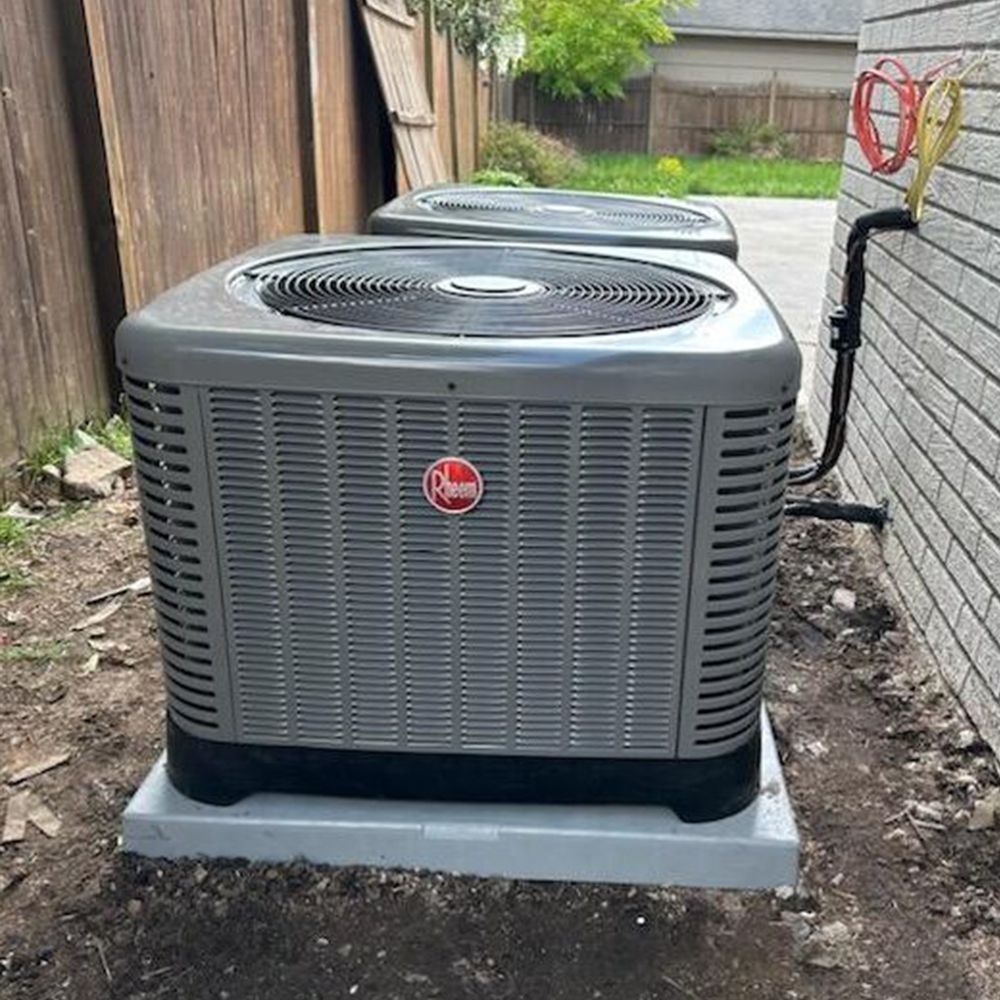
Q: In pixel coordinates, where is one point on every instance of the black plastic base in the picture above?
(696, 790)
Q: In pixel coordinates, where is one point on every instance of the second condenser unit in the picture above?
(553, 216)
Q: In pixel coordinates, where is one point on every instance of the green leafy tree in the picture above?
(584, 48)
(479, 27)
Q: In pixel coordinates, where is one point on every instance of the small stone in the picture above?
(828, 947)
(817, 748)
(965, 739)
(134, 907)
(844, 599)
(984, 811)
(200, 874)
(89, 474)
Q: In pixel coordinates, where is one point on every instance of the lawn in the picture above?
(633, 173)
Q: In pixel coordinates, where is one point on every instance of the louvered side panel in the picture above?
(483, 595)
(606, 509)
(249, 532)
(548, 621)
(367, 506)
(661, 568)
(544, 562)
(170, 473)
(302, 472)
(426, 647)
(743, 494)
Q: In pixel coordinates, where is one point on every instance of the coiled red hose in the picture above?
(890, 72)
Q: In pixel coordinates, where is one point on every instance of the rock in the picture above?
(828, 947)
(90, 473)
(844, 599)
(49, 481)
(984, 811)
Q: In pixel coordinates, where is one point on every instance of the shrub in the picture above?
(499, 178)
(540, 159)
(758, 139)
(672, 175)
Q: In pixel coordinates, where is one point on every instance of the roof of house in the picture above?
(801, 19)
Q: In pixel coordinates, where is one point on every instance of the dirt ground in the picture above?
(898, 899)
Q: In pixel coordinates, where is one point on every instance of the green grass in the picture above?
(633, 173)
(13, 531)
(50, 450)
(35, 651)
(113, 434)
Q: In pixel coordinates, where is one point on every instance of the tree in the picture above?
(479, 27)
(584, 48)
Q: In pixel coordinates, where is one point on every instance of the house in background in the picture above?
(809, 44)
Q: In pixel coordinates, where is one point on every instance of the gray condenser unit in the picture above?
(462, 520)
(466, 211)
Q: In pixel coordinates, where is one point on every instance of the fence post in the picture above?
(452, 105)
(477, 84)
(650, 116)
(429, 20)
(772, 97)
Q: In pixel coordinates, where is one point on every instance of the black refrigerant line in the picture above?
(845, 339)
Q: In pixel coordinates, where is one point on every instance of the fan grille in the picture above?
(560, 211)
(483, 291)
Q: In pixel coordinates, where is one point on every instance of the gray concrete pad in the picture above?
(785, 245)
(757, 848)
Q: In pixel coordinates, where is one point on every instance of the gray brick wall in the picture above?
(925, 422)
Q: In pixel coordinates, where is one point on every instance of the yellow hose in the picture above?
(939, 120)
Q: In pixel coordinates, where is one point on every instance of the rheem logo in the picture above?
(453, 485)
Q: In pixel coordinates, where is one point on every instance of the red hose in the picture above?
(890, 72)
(908, 94)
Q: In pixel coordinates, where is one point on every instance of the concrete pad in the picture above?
(757, 848)
(785, 245)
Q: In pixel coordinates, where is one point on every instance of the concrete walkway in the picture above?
(785, 245)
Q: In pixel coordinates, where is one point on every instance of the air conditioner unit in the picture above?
(457, 520)
(462, 211)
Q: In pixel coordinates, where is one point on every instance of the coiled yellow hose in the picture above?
(939, 121)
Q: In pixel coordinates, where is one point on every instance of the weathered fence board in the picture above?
(141, 142)
(343, 115)
(200, 112)
(54, 351)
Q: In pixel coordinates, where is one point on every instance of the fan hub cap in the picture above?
(488, 286)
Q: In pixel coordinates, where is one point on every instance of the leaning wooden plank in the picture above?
(404, 89)
(16, 822)
(392, 10)
(38, 767)
(43, 817)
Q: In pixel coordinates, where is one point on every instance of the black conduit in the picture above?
(845, 323)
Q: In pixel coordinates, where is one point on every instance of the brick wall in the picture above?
(925, 422)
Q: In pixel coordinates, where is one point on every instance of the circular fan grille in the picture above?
(560, 210)
(483, 291)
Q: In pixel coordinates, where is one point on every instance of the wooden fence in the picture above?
(660, 116)
(140, 142)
